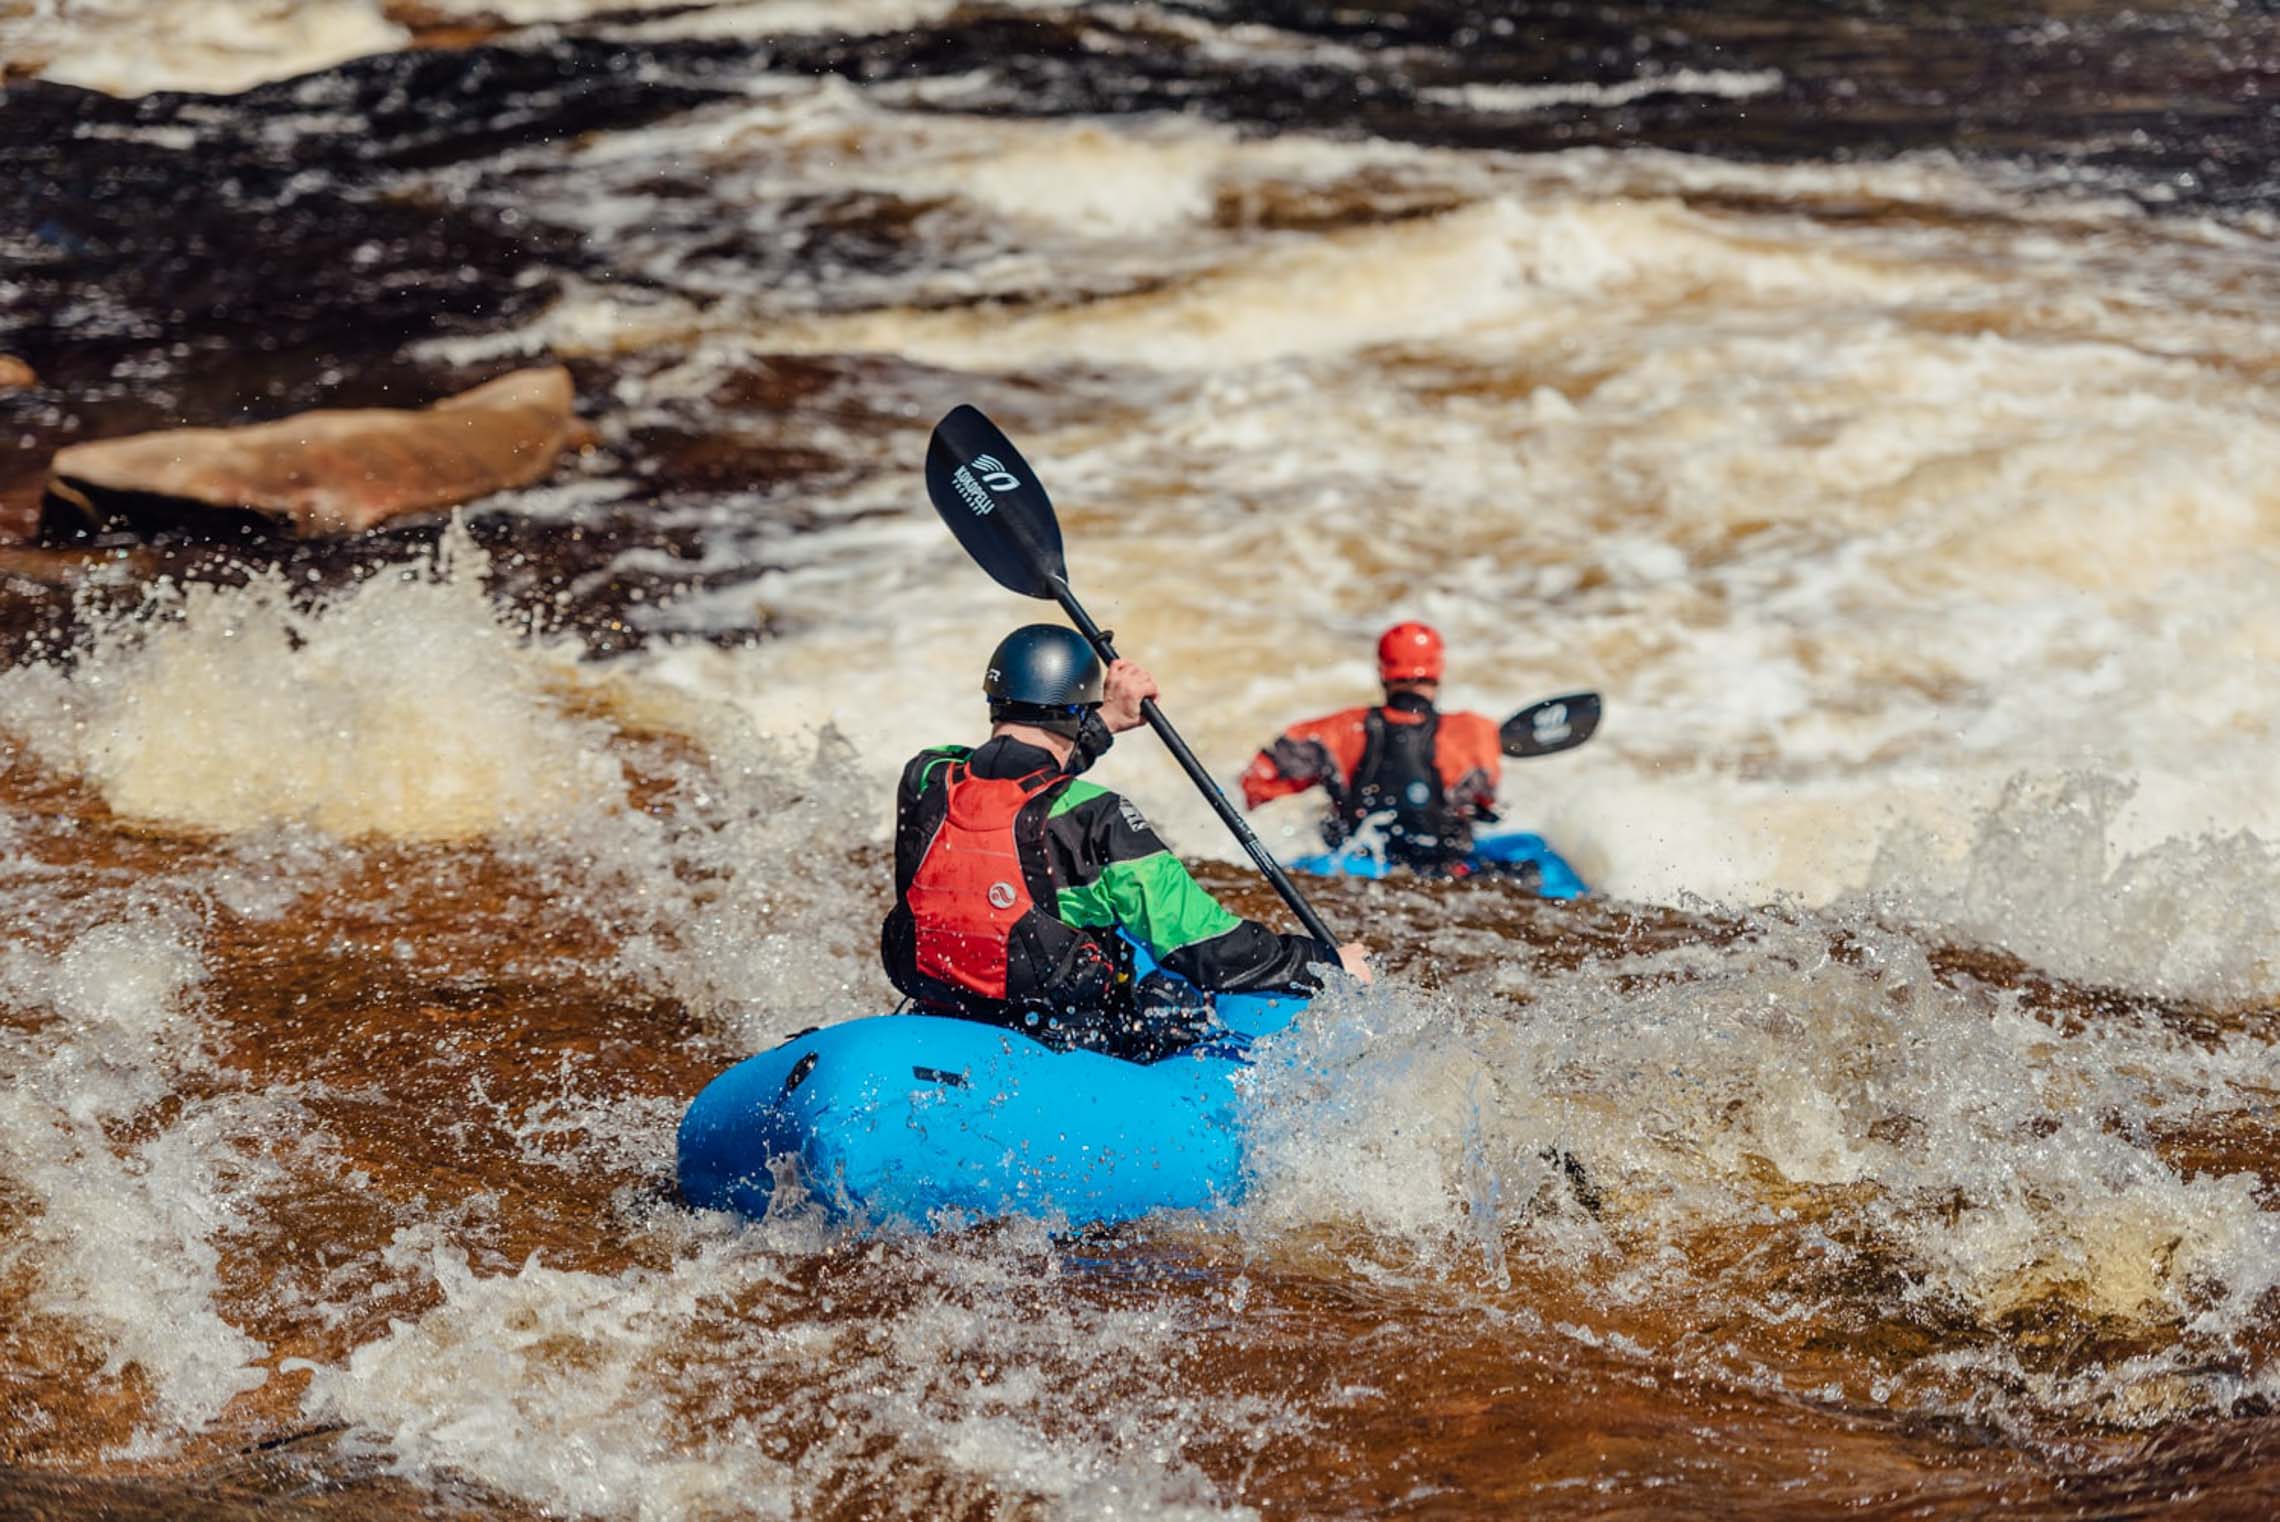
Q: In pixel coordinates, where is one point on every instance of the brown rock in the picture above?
(326, 474)
(15, 375)
(438, 29)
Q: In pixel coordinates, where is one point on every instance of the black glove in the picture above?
(1164, 1015)
(1093, 741)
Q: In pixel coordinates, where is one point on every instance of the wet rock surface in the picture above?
(318, 474)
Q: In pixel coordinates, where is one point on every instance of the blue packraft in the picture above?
(1490, 853)
(916, 1119)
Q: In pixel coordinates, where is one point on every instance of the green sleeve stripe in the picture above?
(1087, 906)
(1075, 793)
(1155, 899)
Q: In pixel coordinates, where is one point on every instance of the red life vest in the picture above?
(974, 931)
(970, 895)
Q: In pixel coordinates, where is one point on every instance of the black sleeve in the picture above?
(1252, 959)
(1093, 741)
(911, 824)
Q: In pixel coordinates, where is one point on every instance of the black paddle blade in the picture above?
(1556, 724)
(995, 504)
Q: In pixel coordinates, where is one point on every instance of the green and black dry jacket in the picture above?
(1095, 866)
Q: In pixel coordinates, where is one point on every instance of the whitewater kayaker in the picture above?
(1013, 877)
(1425, 776)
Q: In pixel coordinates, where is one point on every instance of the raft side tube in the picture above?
(895, 1118)
(1556, 878)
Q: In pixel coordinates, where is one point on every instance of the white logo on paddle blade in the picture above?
(994, 474)
(970, 491)
(1550, 725)
(1001, 895)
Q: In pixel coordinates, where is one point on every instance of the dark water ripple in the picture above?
(192, 260)
(125, 242)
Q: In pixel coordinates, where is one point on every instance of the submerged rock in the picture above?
(320, 474)
(15, 375)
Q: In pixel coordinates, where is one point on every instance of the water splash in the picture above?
(903, 1375)
(123, 1237)
(1895, 1139)
(404, 707)
(2190, 917)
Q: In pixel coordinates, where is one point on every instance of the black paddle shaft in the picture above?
(997, 508)
(1244, 834)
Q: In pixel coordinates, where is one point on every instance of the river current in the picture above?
(1880, 405)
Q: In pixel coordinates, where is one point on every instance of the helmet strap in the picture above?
(1065, 720)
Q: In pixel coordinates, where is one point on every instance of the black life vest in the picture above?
(972, 933)
(1399, 779)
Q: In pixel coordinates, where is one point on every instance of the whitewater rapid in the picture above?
(1854, 523)
(1917, 519)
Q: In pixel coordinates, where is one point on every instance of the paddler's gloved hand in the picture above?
(1168, 1015)
(1165, 1015)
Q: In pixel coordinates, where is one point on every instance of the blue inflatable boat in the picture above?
(900, 1118)
(1501, 854)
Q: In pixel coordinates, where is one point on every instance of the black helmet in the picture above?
(1042, 674)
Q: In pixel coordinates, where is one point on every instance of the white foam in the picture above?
(403, 708)
(2192, 917)
(133, 47)
(220, 47)
(123, 1242)
(973, 1376)
(1729, 84)
(1939, 1131)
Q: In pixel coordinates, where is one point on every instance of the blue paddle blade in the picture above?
(1556, 724)
(995, 504)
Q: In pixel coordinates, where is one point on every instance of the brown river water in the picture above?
(1877, 404)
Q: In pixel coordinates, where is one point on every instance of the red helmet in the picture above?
(1409, 653)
